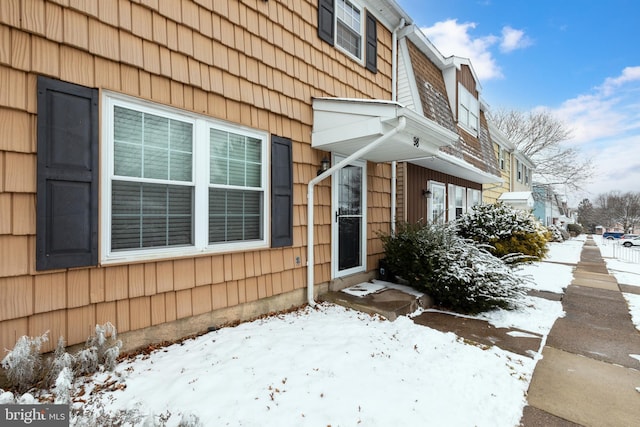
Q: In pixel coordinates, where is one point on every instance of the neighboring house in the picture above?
(550, 208)
(516, 170)
(503, 149)
(156, 158)
(446, 91)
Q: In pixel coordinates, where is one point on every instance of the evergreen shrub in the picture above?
(456, 273)
(575, 229)
(511, 234)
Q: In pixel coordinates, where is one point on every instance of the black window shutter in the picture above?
(67, 191)
(325, 20)
(281, 192)
(372, 43)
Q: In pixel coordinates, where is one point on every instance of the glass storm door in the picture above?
(349, 219)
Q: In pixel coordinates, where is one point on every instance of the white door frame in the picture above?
(335, 240)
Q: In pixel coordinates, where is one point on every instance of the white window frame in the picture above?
(468, 110)
(436, 187)
(200, 174)
(474, 198)
(453, 205)
(359, 31)
(518, 171)
(501, 157)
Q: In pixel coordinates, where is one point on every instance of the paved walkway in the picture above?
(587, 376)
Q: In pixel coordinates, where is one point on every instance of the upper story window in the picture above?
(518, 170)
(468, 110)
(347, 25)
(501, 157)
(178, 183)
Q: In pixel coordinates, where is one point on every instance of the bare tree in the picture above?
(538, 134)
(615, 208)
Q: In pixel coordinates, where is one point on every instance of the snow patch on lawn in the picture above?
(326, 366)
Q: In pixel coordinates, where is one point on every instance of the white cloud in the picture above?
(453, 38)
(606, 128)
(629, 74)
(610, 110)
(513, 39)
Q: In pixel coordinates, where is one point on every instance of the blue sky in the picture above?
(579, 59)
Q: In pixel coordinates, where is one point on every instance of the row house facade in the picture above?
(516, 171)
(441, 187)
(167, 166)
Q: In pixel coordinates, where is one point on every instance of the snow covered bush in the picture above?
(512, 234)
(556, 234)
(407, 252)
(455, 272)
(62, 388)
(23, 364)
(25, 368)
(61, 360)
(471, 280)
(103, 348)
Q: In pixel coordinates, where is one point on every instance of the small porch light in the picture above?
(427, 194)
(325, 164)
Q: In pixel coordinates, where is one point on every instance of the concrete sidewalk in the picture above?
(587, 376)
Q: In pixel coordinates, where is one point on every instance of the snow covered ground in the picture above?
(338, 367)
(625, 272)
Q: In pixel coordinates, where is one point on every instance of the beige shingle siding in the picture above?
(257, 64)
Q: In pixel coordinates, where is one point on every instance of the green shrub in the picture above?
(575, 229)
(556, 234)
(455, 272)
(511, 234)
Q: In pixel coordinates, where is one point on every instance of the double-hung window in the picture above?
(437, 203)
(474, 198)
(177, 183)
(349, 27)
(354, 30)
(457, 202)
(468, 110)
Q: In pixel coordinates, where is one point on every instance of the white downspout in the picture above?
(402, 122)
(394, 97)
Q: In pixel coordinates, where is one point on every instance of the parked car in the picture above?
(610, 235)
(632, 242)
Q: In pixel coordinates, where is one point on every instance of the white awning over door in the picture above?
(345, 125)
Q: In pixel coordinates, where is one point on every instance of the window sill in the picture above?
(468, 130)
(166, 254)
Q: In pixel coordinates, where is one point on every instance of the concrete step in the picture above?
(389, 303)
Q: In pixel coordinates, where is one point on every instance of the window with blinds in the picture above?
(152, 187)
(349, 27)
(235, 191)
(468, 110)
(179, 182)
